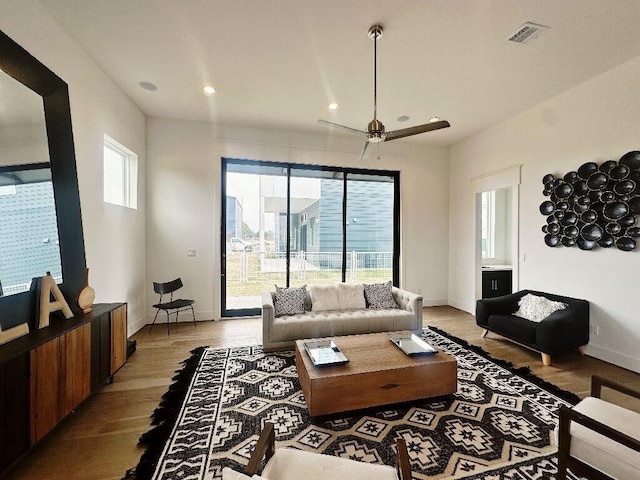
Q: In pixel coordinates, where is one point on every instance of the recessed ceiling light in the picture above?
(402, 118)
(333, 106)
(434, 119)
(208, 90)
(148, 86)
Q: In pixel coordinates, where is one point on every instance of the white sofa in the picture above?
(280, 333)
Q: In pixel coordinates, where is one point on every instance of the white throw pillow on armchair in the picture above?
(536, 308)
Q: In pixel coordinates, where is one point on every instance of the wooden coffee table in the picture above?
(378, 373)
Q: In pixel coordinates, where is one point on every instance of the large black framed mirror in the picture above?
(20, 65)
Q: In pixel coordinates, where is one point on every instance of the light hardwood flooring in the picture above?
(98, 440)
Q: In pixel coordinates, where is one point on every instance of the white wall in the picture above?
(595, 121)
(114, 237)
(183, 200)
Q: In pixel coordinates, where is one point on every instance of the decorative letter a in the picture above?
(48, 288)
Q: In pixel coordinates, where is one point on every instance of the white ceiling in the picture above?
(279, 63)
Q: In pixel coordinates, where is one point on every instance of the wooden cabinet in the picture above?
(108, 344)
(14, 409)
(75, 369)
(44, 388)
(59, 379)
(118, 338)
(496, 283)
(45, 375)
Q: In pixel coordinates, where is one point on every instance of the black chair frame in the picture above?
(172, 306)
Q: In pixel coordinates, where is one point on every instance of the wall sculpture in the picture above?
(595, 206)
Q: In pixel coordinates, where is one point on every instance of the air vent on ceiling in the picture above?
(527, 32)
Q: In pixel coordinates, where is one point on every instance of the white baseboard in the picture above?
(615, 358)
(463, 306)
(434, 302)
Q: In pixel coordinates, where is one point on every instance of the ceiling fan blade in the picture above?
(366, 150)
(407, 132)
(352, 130)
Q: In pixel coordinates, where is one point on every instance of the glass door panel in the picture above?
(316, 230)
(254, 259)
(370, 228)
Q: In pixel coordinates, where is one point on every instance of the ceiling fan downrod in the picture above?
(375, 128)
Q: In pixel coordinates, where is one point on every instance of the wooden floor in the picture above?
(98, 440)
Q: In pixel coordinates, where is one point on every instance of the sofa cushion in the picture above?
(378, 295)
(324, 297)
(351, 296)
(604, 454)
(517, 328)
(289, 301)
(331, 323)
(537, 308)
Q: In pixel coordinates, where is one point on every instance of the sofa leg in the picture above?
(546, 359)
(484, 332)
(581, 350)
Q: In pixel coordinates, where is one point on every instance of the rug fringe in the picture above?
(164, 417)
(523, 372)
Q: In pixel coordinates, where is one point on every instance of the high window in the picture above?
(304, 225)
(120, 174)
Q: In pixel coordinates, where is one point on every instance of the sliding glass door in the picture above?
(294, 225)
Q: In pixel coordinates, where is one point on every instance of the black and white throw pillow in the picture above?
(378, 295)
(289, 301)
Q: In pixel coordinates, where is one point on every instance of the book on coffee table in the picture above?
(411, 344)
(324, 352)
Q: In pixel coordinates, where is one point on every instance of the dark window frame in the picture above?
(288, 166)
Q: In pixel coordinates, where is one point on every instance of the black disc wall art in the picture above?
(594, 206)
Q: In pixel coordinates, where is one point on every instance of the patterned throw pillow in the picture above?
(289, 301)
(378, 295)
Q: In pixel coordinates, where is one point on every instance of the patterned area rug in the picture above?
(498, 425)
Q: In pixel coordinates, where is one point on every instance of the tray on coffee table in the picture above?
(324, 353)
(411, 344)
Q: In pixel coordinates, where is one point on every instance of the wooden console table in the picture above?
(46, 374)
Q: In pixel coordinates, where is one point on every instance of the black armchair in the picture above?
(561, 331)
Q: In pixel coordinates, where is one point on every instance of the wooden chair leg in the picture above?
(403, 465)
(546, 359)
(484, 332)
(564, 438)
(581, 351)
(265, 448)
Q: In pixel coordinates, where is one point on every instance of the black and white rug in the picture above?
(498, 425)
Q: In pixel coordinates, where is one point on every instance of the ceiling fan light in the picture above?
(375, 138)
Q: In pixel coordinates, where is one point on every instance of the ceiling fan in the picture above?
(375, 132)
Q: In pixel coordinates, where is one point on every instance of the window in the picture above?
(120, 174)
(488, 206)
(307, 225)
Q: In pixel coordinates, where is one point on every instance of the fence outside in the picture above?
(250, 273)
